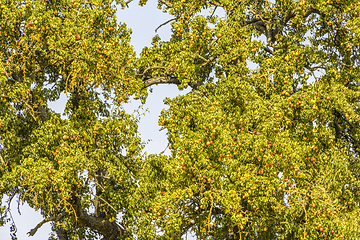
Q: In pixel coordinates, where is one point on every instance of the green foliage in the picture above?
(267, 151)
(74, 49)
(265, 146)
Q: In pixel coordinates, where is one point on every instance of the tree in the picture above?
(68, 166)
(265, 146)
(264, 152)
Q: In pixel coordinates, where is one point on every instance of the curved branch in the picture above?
(147, 69)
(292, 14)
(173, 19)
(161, 80)
(50, 219)
(168, 80)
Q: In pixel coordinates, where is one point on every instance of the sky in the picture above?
(143, 21)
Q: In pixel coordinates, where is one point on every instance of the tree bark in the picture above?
(110, 230)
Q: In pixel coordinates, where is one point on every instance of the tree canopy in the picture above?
(264, 146)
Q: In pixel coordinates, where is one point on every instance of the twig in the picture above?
(127, 3)
(213, 12)
(206, 61)
(268, 50)
(165, 23)
(168, 4)
(12, 219)
(165, 149)
(96, 175)
(18, 204)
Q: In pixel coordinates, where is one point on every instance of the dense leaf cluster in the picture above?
(265, 145)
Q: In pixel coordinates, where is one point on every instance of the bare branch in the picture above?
(292, 14)
(168, 4)
(311, 11)
(8, 210)
(213, 12)
(268, 50)
(50, 219)
(169, 80)
(319, 66)
(173, 19)
(165, 149)
(162, 80)
(127, 3)
(96, 175)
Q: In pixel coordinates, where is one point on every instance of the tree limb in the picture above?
(50, 219)
(110, 230)
(168, 80)
(97, 196)
(292, 14)
(161, 80)
(147, 69)
(62, 234)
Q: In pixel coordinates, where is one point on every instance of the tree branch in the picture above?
(168, 80)
(292, 14)
(62, 234)
(173, 19)
(50, 219)
(268, 50)
(97, 196)
(110, 230)
(161, 80)
(2, 160)
(147, 69)
(166, 3)
(127, 3)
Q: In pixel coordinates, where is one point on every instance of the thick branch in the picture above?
(168, 80)
(292, 14)
(110, 230)
(149, 68)
(288, 16)
(62, 234)
(44, 116)
(99, 190)
(161, 80)
(50, 219)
